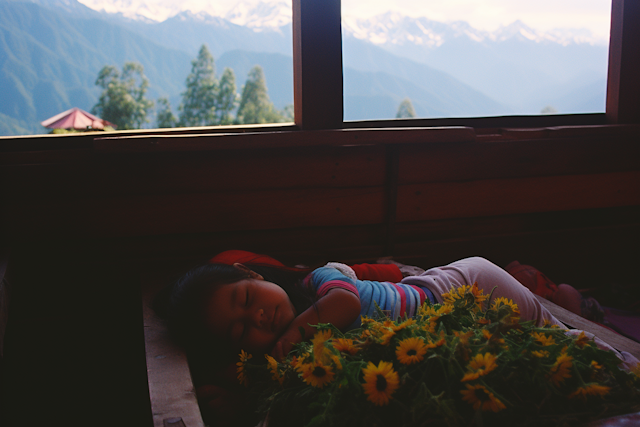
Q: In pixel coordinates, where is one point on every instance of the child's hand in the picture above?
(285, 344)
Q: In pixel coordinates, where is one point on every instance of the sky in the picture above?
(482, 14)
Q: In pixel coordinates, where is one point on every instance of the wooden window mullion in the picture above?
(317, 64)
(623, 82)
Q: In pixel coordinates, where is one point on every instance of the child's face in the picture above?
(250, 314)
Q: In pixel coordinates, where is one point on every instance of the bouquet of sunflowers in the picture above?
(468, 361)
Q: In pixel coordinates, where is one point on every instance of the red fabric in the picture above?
(378, 272)
(533, 279)
(245, 257)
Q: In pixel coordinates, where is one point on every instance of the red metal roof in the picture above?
(76, 118)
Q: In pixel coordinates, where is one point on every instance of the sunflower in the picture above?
(444, 310)
(320, 350)
(317, 374)
(481, 398)
(386, 336)
(273, 367)
(501, 301)
(590, 390)
(635, 370)
(438, 343)
(380, 382)
(345, 346)
(479, 366)
(478, 293)
(491, 338)
(403, 325)
(543, 339)
(464, 338)
(426, 310)
(455, 294)
(367, 320)
(582, 340)
(242, 375)
(560, 369)
(411, 350)
(432, 325)
(540, 353)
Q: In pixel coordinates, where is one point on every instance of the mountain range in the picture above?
(52, 50)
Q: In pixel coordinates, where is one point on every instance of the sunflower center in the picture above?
(319, 372)
(381, 383)
(412, 352)
(481, 394)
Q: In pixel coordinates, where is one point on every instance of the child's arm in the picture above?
(339, 307)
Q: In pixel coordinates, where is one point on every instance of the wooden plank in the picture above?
(419, 202)
(609, 130)
(170, 385)
(41, 157)
(518, 224)
(317, 243)
(190, 213)
(242, 141)
(317, 64)
(198, 173)
(501, 159)
(574, 321)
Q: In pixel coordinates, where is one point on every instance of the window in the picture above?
(318, 103)
(474, 58)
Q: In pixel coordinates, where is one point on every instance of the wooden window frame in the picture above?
(318, 87)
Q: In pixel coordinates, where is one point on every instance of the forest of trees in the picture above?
(206, 101)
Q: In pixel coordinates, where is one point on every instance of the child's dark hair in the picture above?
(183, 303)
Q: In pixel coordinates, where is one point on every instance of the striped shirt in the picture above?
(396, 299)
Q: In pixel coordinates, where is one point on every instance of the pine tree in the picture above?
(405, 110)
(198, 107)
(123, 100)
(255, 106)
(227, 97)
(164, 115)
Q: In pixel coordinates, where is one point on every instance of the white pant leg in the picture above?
(488, 275)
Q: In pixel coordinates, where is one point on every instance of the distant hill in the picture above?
(371, 94)
(187, 31)
(49, 61)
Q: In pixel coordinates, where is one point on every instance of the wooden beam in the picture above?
(623, 84)
(241, 141)
(317, 64)
(482, 198)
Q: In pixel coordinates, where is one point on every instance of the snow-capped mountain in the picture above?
(260, 16)
(387, 29)
(256, 15)
(392, 28)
